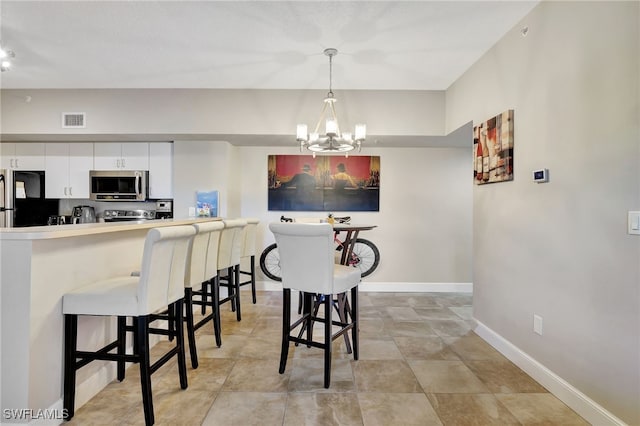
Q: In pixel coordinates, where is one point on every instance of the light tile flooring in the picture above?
(420, 364)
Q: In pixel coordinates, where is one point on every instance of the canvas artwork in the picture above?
(207, 204)
(493, 149)
(324, 183)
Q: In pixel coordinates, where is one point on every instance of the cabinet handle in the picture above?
(70, 193)
(17, 166)
(123, 166)
(11, 163)
(65, 191)
(118, 163)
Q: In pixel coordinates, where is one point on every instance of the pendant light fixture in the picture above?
(333, 140)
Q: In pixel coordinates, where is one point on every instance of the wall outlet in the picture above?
(537, 324)
(192, 212)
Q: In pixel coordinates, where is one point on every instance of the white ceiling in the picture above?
(390, 45)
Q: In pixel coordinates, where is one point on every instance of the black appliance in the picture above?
(22, 199)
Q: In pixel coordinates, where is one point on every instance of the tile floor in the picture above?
(420, 364)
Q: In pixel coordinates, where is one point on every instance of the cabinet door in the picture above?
(80, 162)
(135, 156)
(160, 170)
(56, 170)
(107, 156)
(7, 155)
(30, 156)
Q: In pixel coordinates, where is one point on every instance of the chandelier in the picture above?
(332, 141)
(5, 59)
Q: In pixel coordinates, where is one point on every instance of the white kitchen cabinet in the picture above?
(67, 167)
(121, 156)
(22, 156)
(160, 170)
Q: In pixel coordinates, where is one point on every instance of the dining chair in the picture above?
(307, 263)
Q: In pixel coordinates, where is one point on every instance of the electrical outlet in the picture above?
(537, 324)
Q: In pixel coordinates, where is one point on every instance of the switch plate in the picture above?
(537, 324)
(633, 223)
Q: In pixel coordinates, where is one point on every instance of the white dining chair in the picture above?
(307, 263)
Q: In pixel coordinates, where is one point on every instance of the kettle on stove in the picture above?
(83, 214)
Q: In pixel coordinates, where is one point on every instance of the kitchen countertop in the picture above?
(63, 231)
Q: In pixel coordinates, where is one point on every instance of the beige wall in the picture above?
(560, 249)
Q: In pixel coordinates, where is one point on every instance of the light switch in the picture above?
(634, 222)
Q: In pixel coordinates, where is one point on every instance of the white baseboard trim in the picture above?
(391, 287)
(579, 402)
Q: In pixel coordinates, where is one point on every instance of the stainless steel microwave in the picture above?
(119, 185)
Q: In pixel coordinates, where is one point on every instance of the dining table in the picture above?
(352, 230)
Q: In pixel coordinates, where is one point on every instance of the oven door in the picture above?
(119, 185)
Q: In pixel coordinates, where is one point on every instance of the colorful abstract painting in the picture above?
(324, 183)
(493, 149)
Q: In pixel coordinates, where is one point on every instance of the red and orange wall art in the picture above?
(324, 183)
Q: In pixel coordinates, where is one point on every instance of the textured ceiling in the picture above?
(388, 45)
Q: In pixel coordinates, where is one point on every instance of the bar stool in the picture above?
(307, 264)
(229, 261)
(249, 251)
(160, 284)
(202, 268)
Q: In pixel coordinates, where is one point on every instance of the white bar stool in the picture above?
(229, 259)
(249, 251)
(202, 268)
(160, 284)
(307, 264)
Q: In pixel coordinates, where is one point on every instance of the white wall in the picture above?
(560, 249)
(157, 113)
(424, 223)
(202, 166)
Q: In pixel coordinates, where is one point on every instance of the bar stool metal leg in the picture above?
(141, 338)
(70, 341)
(328, 309)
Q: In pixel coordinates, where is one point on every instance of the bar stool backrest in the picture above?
(204, 246)
(163, 267)
(306, 255)
(249, 238)
(230, 243)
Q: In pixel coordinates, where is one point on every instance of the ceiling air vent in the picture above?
(73, 120)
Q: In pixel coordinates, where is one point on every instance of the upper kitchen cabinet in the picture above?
(67, 168)
(160, 170)
(121, 156)
(22, 156)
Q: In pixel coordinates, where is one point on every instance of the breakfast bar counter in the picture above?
(38, 266)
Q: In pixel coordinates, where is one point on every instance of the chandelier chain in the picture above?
(331, 75)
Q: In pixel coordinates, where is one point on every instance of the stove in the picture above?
(128, 215)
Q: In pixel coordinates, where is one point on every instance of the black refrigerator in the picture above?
(22, 201)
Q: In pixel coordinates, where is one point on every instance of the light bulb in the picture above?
(301, 132)
(332, 127)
